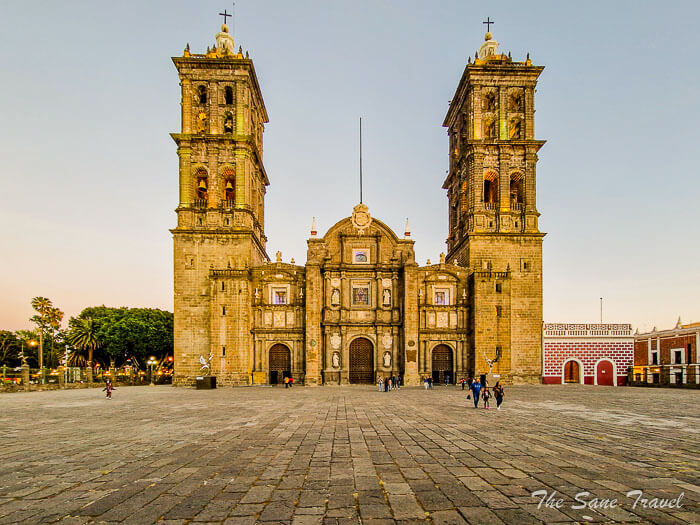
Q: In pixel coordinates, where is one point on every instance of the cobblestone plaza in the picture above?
(347, 455)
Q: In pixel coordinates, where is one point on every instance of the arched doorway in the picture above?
(442, 365)
(572, 372)
(280, 363)
(604, 373)
(361, 361)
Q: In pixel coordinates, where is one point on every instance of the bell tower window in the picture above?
(229, 176)
(228, 95)
(202, 94)
(490, 188)
(516, 191)
(201, 187)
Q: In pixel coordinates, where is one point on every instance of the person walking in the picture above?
(430, 382)
(486, 395)
(380, 384)
(108, 388)
(425, 383)
(498, 394)
(476, 390)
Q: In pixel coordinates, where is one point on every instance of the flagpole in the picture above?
(360, 160)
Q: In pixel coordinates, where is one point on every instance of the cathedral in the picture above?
(361, 307)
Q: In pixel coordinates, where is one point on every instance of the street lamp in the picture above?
(151, 363)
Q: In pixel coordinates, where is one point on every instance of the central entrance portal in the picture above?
(280, 364)
(361, 361)
(442, 365)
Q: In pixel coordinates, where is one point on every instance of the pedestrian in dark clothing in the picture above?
(484, 382)
(498, 394)
(476, 390)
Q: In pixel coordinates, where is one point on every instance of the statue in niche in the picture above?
(335, 360)
(201, 122)
(387, 359)
(386, 297)
(228, 123)
(490, 129)
(335, 297)
(515, 128)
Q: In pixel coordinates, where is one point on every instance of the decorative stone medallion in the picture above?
(335, 341)
(386, 341)
(335, 282)
(361, 219)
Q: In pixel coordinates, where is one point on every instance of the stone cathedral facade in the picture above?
(361, 307)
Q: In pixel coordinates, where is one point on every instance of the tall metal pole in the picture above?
(601, 310)
(360, 160)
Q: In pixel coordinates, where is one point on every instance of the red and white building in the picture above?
(589, 354)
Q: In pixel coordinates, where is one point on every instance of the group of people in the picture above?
(388, 383)
(479, 389)
(288, 382)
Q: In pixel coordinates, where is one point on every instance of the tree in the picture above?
(54, 317)
(83, 335)
(42, 305)
(10, 348)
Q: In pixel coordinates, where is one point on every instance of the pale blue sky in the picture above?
(89, 172)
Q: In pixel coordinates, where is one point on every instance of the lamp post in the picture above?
(151, 363)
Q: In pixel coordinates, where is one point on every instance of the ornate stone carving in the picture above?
(335, 360)
(387, 340)
(361, 219)
(335, 341)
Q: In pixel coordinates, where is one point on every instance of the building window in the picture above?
(499, 287)
(360, 295)
(223, 351)
(655, 358)
(499, 311)
(223, 286)
(223, 310)
(360, 256)
(678, 357)
(228, 95)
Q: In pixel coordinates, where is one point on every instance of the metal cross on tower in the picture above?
(488, 23)
(226, 15)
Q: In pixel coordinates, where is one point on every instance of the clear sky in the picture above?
(89, 174)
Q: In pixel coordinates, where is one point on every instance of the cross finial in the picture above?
(226, 15)
(488, 23)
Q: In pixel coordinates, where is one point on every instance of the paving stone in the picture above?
(269, 456)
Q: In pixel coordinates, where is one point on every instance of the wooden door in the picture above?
(572, 372)
(442, 363)
(362, 361)
(604, 373)
(280, 363)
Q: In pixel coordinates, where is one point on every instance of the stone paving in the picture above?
(347, 455)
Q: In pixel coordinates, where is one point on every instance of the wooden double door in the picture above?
(442, 365)
(361, 361)
(279, 363)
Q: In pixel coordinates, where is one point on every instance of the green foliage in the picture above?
(124, 333)
(10, 347)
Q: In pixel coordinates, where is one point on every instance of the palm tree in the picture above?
(83, 336)
(41, 305)
(54, 316)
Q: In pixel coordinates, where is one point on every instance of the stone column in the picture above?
(186, 104)
(186, 182)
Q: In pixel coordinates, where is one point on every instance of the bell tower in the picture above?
(222, 185)
(491, 191)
